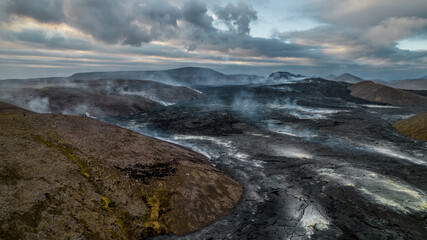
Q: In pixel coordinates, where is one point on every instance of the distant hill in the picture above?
(415, 127)
(330, 77)
(194, 75)
(375, 92)
(348, 78)
(410, 84)
(181, 76)
(70, 177)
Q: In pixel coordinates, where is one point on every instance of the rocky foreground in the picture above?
(76, 177)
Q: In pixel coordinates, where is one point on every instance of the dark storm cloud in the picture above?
(140, 22)
(239, 16)
(41, 10)
(158, 11)
(203, 35)
(352, 34)
(195, 12)
(106, 20)
(246, 45)
(160, 16)
(109, 21)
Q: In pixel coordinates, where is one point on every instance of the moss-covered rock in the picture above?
(415, 127)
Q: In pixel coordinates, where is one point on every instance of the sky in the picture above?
(381, 39)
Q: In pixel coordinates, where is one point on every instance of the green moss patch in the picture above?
(157, 201)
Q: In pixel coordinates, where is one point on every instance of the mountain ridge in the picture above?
(180, 76)
(330, 76)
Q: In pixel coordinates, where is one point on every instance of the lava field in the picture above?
(314, 162)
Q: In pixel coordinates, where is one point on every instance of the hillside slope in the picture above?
(69, 177)
(375, 92)
(100, 98)
(414, 127)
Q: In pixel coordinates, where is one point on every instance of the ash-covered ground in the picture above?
(314, 162)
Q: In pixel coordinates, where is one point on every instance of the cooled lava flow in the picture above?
(314, 161)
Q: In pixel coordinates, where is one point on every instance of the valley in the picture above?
(315, 160)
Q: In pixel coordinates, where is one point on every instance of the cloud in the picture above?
(41, 10)
(158, 17)
(351, 34)
(274, 48)
(41, 38)
(238, 16)
(238, 44)
(195, 12)
(350, 49)
(158, 11)
(363, 13)
(105, 20)
(110, 21)
(364, 35)
(332, 41)
(394, 29)
(56, 41)
(135, 23)
(236, 41)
